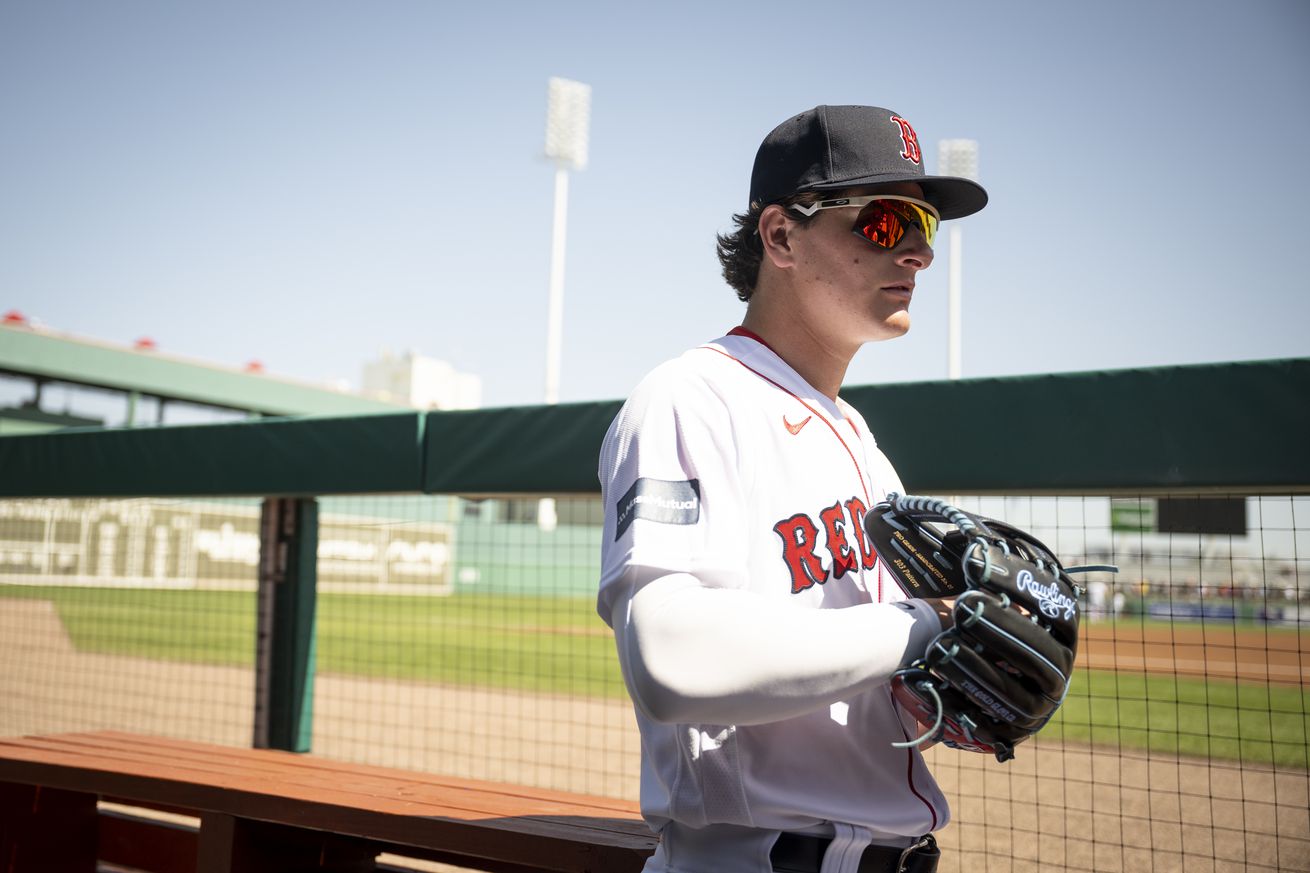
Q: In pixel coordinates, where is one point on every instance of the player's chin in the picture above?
(890, 328)
(897, 324)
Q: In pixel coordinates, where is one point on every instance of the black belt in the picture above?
(803, 853)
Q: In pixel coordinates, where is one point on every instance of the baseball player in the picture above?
(755, 629)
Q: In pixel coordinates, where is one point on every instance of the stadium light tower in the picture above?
(568, 116)
(956, 157)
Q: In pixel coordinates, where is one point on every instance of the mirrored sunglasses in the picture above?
(883, 218)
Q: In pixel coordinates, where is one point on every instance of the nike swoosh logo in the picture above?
(794, 429)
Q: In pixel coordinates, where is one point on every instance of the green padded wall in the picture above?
(1218, 426)
(286, 457)
(1241, 426)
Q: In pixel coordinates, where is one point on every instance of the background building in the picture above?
(422, 382)
(51, 380)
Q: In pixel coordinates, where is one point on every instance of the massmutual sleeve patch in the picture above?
(658, 500)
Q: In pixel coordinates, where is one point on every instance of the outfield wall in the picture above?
(1218, 427)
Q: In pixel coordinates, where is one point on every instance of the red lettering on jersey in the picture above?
(800, 539)
(910, 140)
(843, 556)
(857, 510)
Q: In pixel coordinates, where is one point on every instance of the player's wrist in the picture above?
(927, 625)
(944, 609)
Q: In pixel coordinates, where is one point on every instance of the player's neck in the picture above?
(814, 359)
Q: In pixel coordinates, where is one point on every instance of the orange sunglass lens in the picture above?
(883, 222)
(880, 226)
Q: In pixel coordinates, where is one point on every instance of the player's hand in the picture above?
(945, 609)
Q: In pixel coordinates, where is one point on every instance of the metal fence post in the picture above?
(284, 638)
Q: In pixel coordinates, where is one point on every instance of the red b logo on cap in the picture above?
(911, 152)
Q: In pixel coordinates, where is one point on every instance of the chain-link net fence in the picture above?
(460, 636)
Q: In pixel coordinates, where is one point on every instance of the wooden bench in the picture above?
(263, 811)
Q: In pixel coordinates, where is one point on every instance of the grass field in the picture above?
(549, 645)
(559, 645)
(1268, 724)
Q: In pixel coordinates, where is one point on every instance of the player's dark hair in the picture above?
(741, 251)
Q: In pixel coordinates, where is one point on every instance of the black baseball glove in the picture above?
(998, 675)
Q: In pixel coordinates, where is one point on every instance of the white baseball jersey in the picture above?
(726, 465)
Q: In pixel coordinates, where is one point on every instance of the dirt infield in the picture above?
(1209, 651)
(1055, 808)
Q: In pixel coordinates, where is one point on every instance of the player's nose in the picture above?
(914, 251)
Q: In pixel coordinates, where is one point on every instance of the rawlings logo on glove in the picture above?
(1051, 600)
(998, 675)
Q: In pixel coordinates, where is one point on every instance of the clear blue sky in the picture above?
(305, 183)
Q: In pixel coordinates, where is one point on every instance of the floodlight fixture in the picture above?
(568, 119)
(958, 157)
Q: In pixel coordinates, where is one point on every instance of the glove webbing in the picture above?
(908, 503)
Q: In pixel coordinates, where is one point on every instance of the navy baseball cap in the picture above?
(837, 147)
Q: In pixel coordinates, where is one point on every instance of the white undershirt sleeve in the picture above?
(696, 655)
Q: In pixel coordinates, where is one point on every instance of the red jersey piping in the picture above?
(859, 471)
(909, 761)
(741, 331)
(752, 335)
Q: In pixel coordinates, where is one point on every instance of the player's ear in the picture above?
(775, 235)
